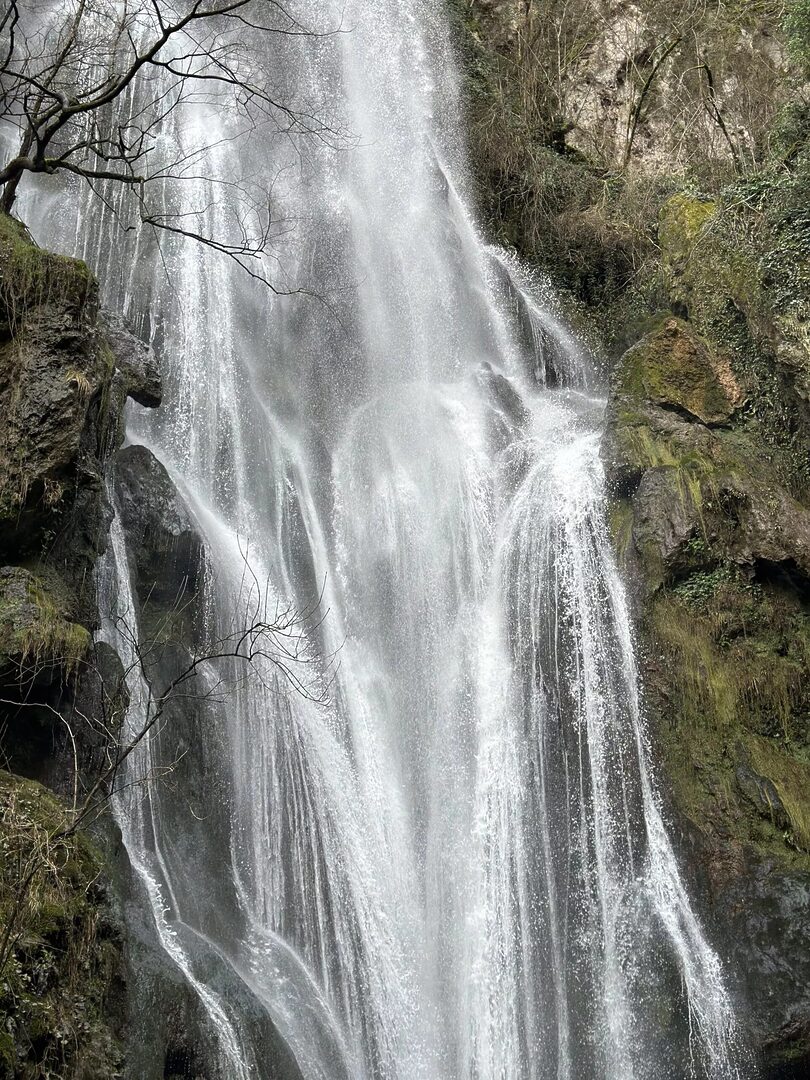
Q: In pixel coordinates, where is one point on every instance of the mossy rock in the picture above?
(61, 972)
(728, 684)
(669, 394)
(790, 781)
(31, 277)
(706, 488)
(56, 377)
(721, 267)
(673, 367)
(723, 550)
(711, 276)
(35, 628)
(684, 223)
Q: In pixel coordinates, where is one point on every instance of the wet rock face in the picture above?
(706, 522)
(54, 368)
(161, 534)
(766, 931)
(134, 360)
(64, 380)
(65, 374)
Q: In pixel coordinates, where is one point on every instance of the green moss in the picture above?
(697, 250)
(742, 271)
(700, 465)
(61, 964)
(620, 522)
(30, 276)
(34, 626)
(715, 274)
(674, 367)
(684, 223)
(790, 778)
(729, 685)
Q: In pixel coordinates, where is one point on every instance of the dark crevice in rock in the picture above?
(787, 575)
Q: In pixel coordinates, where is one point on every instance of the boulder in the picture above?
(675, 368)
(134, 360)
(162, 538)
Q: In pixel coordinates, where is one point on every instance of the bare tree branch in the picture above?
(93, 90)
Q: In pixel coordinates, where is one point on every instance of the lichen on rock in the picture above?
(675, 368)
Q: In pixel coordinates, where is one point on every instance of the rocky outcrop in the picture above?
(62, 392)
(167, 550)
(66, 370)
(711, 522)
(136, 371)
(65, 374)
(732, 294)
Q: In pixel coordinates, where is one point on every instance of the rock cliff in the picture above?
(65, 373)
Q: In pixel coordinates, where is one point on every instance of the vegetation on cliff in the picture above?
(60, 955)
(587, 115)
(61, 397)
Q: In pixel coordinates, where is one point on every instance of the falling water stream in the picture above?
(456, 868)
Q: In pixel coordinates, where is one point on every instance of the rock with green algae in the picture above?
(65, 373)
(663, 383)
(35, 628)
(723, 549)
(703, 485)
(53, 370)
(715, 271)
(778, 786)
(709, 274)
(676, 368)
(686, 520)
(60, 987)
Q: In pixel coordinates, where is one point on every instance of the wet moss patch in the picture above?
(35, 629)
(60, 956)
(728, 682)
(31, 277)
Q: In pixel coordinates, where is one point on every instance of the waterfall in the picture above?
(449, 862)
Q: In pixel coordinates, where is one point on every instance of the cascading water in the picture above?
(458, 868)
